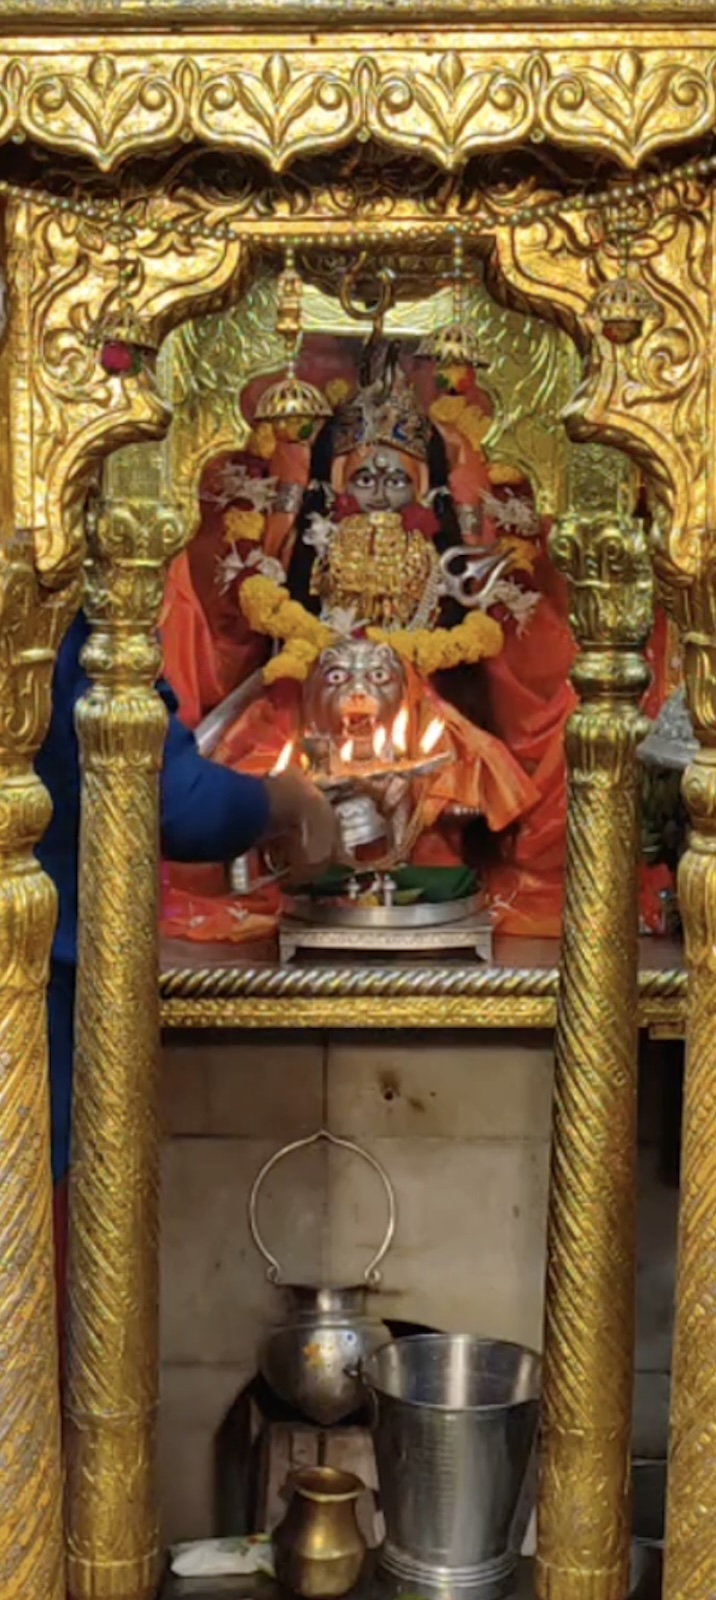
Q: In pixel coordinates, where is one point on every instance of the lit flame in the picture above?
(400, 732)
(432, 733)
(379, 738)
(283, 760)
(346, 751)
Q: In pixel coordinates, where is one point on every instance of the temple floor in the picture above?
(647, 1587)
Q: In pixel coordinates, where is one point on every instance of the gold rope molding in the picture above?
(391, 997)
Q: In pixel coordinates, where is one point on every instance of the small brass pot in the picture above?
(319, 1549)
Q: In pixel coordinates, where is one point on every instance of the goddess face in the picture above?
(355, 687)
(381, 483)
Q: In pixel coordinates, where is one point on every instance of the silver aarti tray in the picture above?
(319, 914)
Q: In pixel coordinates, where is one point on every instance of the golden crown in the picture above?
(381, 415)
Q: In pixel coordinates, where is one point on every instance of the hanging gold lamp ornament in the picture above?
(125, 345)
(454, 348)
(620, 309)
(291, 405)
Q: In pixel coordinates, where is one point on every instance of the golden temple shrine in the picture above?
(357, 799)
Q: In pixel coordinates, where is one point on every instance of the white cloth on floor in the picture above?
(212, 1558)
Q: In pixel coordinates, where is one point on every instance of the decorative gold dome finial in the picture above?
(291, 399)
(454, 345)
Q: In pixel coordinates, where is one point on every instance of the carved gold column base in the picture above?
(31, 1553)
(584, 1487)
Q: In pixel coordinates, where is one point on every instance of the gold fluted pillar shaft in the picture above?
(583, 1506)
(31, 1553)
(690, 1558)
(112, 1373)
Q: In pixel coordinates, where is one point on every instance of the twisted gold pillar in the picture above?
(112, 1376)
(690, 1563)
(583, 1510)
(31, 1558)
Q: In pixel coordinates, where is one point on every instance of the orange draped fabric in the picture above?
(208, 652)
(189, 660)
(530, 699)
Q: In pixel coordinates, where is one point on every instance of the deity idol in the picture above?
(381, 595)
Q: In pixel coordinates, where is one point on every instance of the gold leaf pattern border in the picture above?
(282, 97)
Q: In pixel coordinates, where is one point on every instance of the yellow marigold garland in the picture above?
(524, 552)
(269, 609)
(454, 410)
(445, 647)
(337, 391)
(243, 525)
(433, 651)
(262, 441)
(293, 662)
(504, 475)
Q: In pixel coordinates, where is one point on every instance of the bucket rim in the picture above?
(466, 1338)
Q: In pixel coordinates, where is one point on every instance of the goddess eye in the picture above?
(380, 675)
(336, 676)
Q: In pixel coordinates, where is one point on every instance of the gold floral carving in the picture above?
(583, 1524)
(31, 1558)
(112, 1366)
(278, 101)
(649, 398)
(66, 411)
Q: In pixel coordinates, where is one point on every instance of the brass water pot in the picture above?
(319, 1549)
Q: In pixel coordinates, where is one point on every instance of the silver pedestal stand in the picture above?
(387, 930)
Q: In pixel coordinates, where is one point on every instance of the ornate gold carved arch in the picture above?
(282, 95)
(280, 99)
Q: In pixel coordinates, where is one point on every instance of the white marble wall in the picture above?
(461, 1124)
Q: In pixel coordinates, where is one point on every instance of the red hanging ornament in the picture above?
(119, 359)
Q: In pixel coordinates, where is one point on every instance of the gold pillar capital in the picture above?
(130, 544)
(606, 563)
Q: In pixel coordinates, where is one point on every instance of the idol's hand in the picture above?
(304, 825)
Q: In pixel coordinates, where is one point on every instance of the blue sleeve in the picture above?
(208, 813)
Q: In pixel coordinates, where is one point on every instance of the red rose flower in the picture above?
(118, 359)
(420, 519)
(344, 505)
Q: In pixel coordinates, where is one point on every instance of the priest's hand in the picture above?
(303, 825)
(387, 793)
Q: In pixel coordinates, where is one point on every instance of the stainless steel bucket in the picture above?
(455, 1426)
